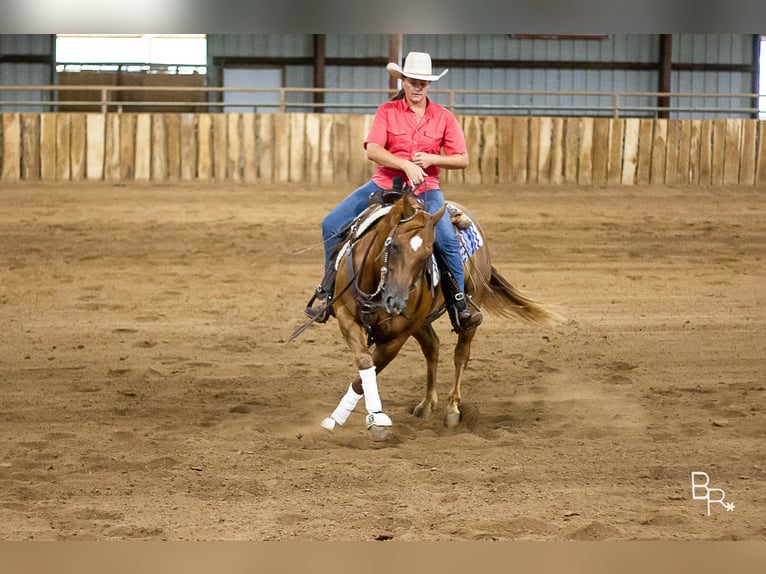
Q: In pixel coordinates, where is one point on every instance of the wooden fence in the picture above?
(327, 149)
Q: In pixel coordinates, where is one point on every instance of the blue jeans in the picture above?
(345, 212)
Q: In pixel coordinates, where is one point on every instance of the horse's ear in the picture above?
(408, 205)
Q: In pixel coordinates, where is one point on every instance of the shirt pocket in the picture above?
(431, 140)
(395, 136)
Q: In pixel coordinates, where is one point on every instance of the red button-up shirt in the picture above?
(396, 129)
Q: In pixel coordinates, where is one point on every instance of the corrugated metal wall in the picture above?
(629, 49)
(25, 73)
(574, 71)
(721, 49)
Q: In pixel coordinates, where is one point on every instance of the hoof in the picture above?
(422, 412)
(378, 419)
(378, 433)
(328, 424)
(452, 420)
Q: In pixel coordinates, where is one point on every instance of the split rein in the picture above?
(369, 302)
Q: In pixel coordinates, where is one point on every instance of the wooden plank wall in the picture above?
(327, 149)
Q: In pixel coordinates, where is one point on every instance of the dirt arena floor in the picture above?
(149, 389)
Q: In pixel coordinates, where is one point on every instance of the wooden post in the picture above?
(659, 152)
(78, 146)
(127, 156)
(505, 146)
(489, 150)
(143, 170)
(544, 156)
(747, 169)
(11, 150)
(312, 148)
(233, 145)
(220, 150)
(249, 156)
(615, 163)
(585, 153)
(600, 150)
(112, 148)
(173, 144)
(645, 144)
(630, 155)
(30, 146)
(48, 146)
(326, 172)
(760, 168)
(296, 171)
(63, 145)
(204, 147)
(557, 151)
(265, 143)
(571, 149)
(159, 148)
(732, 150)
(520, 148)
(95, 125)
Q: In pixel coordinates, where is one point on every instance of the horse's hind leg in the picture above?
(429, 344)
(462, 354)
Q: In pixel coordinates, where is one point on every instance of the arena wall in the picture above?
(327, 149)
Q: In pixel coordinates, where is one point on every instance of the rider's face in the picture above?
(415, 91)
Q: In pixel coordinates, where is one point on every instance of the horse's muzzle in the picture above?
(394, 304)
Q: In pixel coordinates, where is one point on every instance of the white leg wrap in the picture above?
(345, 406)
(370, 389)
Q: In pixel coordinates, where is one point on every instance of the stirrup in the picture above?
(463, 318)
(319, 314)
(468, 320)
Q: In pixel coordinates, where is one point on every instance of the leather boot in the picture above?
(324, 293)
(465, 318)
(460, 314)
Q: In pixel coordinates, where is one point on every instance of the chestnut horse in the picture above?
(385, 293)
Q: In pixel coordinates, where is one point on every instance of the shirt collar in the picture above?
(406, 107)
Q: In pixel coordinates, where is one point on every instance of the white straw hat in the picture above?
(417, 65)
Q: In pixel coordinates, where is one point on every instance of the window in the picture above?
(172, 53)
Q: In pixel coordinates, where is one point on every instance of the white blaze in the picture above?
(416, 242)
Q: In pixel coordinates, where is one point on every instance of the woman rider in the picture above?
(406, 139)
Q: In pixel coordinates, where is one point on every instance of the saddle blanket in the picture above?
(468, 236)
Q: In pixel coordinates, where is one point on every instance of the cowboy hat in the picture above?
(417, 65)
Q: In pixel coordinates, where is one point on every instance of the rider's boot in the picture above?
(462, 317)
(465, 318)
(324, 293)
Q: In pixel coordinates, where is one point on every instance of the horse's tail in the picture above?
(505, 300)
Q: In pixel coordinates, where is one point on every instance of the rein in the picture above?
(369, 302)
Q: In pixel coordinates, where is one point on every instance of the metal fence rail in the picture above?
(42, 98)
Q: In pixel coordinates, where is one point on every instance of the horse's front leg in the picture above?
(366, 384)
(429, 345)
(462, 354)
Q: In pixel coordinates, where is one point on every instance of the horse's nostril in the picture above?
(394, 305)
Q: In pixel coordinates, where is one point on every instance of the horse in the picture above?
(386, 292)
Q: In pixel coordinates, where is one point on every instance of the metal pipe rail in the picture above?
(107, 100)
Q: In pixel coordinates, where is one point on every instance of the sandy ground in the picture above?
(149, 390)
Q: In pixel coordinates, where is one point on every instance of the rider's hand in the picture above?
(422, 159)
(415, 174)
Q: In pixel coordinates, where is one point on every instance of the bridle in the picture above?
(368, 303)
